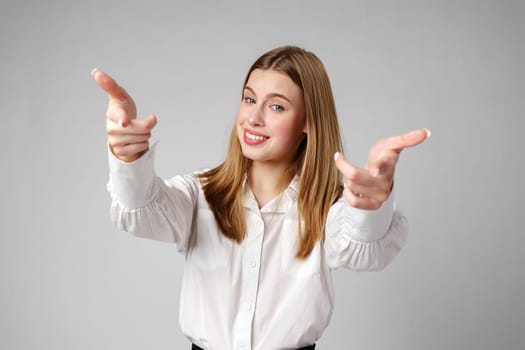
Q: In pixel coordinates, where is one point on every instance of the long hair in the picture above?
(319, 180)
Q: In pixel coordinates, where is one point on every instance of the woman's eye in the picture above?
(249, 100)
(277, 108)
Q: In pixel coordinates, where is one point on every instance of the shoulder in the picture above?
(190, 184)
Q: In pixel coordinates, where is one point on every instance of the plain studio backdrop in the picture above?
(70, 280)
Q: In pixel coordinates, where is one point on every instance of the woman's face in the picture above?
(270, 120)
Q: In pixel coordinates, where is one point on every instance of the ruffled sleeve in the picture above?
(148, 206)
(364, 240)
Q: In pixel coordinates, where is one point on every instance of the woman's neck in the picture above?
(267, 181)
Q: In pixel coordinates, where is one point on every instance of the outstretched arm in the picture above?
(369, 232)
(142, 202)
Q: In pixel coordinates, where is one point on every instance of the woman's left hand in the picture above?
(368, 187)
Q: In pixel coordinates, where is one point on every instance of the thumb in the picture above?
(344, 166)
(144, 125)
(150, 121)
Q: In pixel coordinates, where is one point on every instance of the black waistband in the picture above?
(309, 347)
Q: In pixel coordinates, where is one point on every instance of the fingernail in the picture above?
(120, 123)
(428, 132)
(336, 155)
(93, 71)
(375, 173)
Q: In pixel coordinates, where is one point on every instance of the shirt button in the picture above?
(247, 306)
(253, 263)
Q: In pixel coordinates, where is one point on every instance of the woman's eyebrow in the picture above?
(273, 94)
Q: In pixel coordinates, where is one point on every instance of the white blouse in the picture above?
(256, 294)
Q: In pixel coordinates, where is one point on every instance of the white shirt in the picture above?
(253, 295)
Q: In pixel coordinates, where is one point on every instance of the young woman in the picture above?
(262, 232)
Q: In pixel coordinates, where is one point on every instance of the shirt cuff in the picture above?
(372, 225)
(131, 183)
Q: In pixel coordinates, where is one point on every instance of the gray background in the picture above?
(69, 280)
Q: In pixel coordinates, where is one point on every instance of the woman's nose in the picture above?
(256, 118)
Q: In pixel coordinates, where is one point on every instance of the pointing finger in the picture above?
(109, 85)
(121, 107)
(410, 139)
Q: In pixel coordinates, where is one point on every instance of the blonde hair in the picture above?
(319, 181)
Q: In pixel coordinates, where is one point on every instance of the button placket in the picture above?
(250, 283)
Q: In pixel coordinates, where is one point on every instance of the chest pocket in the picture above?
(210, 249)
(290, 264)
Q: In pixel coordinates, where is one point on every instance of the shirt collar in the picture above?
(279, 204)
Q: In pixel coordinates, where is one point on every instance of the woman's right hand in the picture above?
(128, 136)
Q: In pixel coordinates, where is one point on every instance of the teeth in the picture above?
(255, 137)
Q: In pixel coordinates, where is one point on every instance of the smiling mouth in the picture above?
(253, 139)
